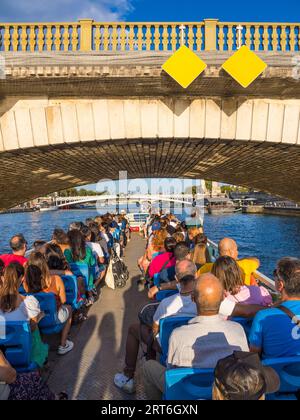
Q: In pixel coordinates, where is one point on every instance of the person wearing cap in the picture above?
(200, 344)
(242, 377)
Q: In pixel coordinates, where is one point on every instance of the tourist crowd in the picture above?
(24, 274)
(216, 292)
(221, 296)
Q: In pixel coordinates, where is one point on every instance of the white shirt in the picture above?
(226, 308)
(205, 341)
(105, 236)
(175, 305)
(96, 249)
(29, 309)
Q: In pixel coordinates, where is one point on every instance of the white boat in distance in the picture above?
(50, 208)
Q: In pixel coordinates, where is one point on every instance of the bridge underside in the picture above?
(29, 173)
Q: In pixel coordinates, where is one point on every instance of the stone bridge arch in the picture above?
(48, 145)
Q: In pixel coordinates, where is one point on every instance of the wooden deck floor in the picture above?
(87, 372)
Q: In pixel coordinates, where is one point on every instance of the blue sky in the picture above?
(150, 10)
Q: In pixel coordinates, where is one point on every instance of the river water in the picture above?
(266, 237)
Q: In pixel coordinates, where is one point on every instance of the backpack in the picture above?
(118, 274)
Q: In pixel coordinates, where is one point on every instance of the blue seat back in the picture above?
(49, 324)
(246, 323)
(288, 370)
(166, 327)
(16, 339)
(71, 287)
(165, 294)
(81, 270)
(188, 384)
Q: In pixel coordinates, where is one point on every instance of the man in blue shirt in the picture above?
(275, 332)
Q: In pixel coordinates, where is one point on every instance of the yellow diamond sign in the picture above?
(244, 66)
(184, 66)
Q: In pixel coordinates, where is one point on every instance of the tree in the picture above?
(209, 185)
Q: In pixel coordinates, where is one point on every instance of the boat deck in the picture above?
(87, 372)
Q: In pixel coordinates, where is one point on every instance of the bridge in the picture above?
(184, 199)
(82, 101)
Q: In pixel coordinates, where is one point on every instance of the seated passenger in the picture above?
(98, 238)
(18, 246)
(165, 260)
(167, 276)
(15, 307)
(140, 333)
(242, 377)
(39, 246)
(229, 273)
(200, 254)
(192, 233)
(58, 265)
(60, 238)
(152, 251)
(181, 304)
(202, 343)
(228, 248)
(81, 254)
(98, 255)
(275, 331)
(39, 280)
(24, 386)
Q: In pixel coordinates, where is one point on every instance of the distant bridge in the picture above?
(187, 200)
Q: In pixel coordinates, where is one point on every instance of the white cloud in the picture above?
(63, 10)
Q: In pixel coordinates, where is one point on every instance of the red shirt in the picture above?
(11, 258)
(160, 262)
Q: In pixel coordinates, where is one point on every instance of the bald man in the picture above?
(206, 339)
(228, 248)
(18, 246)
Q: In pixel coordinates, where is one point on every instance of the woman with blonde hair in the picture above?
(200, 254)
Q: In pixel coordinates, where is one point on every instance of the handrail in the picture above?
(87, 35)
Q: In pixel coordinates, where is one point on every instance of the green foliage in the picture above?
(73, 192)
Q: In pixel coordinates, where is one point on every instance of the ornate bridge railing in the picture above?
(88, 35)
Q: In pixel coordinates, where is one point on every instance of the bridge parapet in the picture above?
(86, 35)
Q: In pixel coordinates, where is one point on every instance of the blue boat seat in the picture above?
(288, 370)
(81, 270)
(194, 384)
(165, 294)
(49, 324)
(16, 340)
(188, 384)
(72, 293)
(166, 327)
